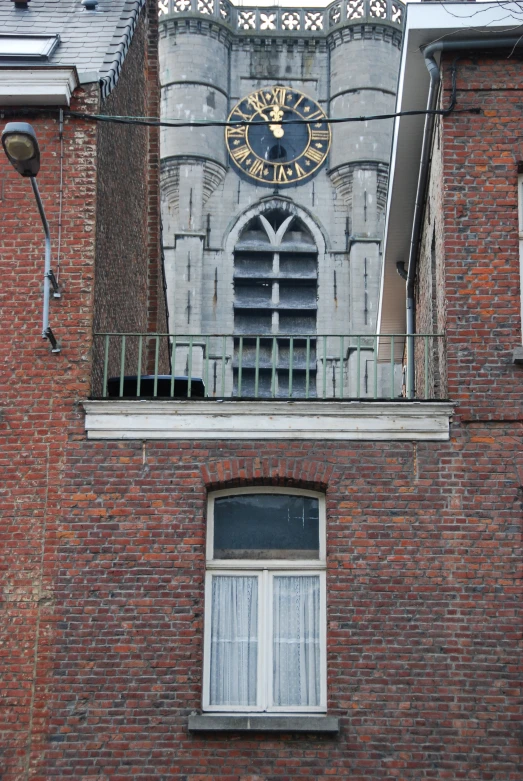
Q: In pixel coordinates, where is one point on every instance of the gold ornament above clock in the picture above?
(267, 150)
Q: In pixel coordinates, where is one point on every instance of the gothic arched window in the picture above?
(275, 307)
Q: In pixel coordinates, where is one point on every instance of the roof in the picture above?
(94, 42)
(425, 23)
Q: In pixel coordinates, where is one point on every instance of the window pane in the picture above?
(296, 640)
(263, 526)
(234, 640)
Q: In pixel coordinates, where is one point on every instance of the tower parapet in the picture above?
(310, 21)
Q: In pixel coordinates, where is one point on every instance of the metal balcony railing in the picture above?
(289, 20)
(267, 366)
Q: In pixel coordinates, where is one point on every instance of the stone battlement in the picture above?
(289, 20)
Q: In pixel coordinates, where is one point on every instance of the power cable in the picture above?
(154, 122)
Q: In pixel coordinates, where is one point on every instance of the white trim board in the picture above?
(39, 86)
(211, 420)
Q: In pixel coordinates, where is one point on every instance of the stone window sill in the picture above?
(210, 722)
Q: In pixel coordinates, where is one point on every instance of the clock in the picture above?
(268, 151)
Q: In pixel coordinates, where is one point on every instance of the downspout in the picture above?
(435, 78)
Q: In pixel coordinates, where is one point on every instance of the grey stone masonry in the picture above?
(346, 58)
(227, 723)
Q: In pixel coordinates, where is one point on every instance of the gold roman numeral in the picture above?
(317, 115)
(236, 132)
(299, 170)
(280, 94)
(314, 155)
(319, 135)
(257, 167)
(241, 154)
(257, 101)
(247, 117)
(280, 174)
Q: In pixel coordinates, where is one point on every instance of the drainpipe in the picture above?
(435, 78)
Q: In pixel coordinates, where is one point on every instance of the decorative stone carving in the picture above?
(378, 9)
(225, 11)
(290, 20)
(314, 20)
(205, 6)
(335, 14)
(397, 12)
(267, 21)
(247, 20)
(355, 9)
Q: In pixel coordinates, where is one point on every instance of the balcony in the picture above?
(296, 385)
(323, 367)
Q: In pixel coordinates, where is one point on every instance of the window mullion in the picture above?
(265, 644)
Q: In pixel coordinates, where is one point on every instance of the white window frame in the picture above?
(265, 570)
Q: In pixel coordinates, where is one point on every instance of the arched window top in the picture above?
(264, 523)
(273, 230)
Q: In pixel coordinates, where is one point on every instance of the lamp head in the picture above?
(21, 147)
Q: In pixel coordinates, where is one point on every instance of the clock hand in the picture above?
(276, 130)
(276, 115)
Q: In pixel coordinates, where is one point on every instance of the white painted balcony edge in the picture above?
(211, 420)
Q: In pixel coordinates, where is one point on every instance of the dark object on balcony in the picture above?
(163, 390)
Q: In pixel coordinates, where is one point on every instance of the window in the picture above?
(265, 622)
(275, 294)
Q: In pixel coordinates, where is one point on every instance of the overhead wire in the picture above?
(155, 122)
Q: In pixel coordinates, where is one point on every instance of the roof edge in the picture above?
(114, 66)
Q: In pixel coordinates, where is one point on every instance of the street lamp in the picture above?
(21, 147)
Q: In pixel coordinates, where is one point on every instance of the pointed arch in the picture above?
(275, 250)
(285, 206)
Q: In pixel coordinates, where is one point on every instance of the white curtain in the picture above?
(234, 640)
(296, 641)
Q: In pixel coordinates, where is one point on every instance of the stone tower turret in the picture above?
(195, 65)
(345, 58)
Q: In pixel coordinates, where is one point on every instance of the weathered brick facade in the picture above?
(469, 279)
(103, 588)
(41, 392)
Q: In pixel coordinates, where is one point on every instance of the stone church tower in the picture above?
(291, 257)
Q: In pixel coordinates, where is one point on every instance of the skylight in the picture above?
(27, 47)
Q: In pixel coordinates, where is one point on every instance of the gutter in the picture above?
(432, 66)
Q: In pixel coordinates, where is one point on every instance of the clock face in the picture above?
(267, 150)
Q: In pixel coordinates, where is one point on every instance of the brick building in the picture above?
(272, 589)
(55, 59)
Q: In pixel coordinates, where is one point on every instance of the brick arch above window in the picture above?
(289, 472)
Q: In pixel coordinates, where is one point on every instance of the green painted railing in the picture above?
(265, 366)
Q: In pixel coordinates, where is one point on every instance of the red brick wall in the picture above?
(129, 295)
(40, 393)
(423, 610)
(431, 316)
(480, 226)
(103, 588)
(39, 397)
